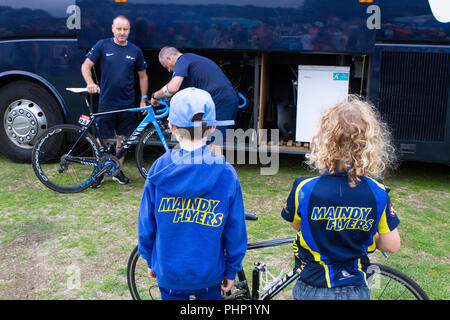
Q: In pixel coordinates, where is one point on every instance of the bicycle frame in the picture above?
(151, 117)
(278, 285)
(275, 287)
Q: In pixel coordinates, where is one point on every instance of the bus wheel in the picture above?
(26, 110)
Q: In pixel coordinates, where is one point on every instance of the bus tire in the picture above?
(26, 110)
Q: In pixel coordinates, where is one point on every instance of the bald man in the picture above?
(118, 59)
(191, 70)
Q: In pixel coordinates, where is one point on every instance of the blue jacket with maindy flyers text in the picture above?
(191, 226)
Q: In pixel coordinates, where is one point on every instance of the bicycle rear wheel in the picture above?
(148, 149)
(141, 286)
(50, 165)
(387, 283)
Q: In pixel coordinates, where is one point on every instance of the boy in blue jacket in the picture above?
(191, 226)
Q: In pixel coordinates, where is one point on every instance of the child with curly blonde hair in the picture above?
(344, 213)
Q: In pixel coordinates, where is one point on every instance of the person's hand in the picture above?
(154, 102)
(142, 105)
(151, 274)
(93, 88)
(227, 284)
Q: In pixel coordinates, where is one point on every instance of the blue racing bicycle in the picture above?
(69, 158)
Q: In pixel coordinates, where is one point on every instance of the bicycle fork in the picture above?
(271, 285)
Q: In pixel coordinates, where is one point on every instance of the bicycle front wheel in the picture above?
(58, 172)
(387, 283)
(141, 286)
(148, 149)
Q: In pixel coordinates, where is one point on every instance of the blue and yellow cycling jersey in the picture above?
(338, 225)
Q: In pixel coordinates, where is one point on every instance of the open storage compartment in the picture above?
(295, 89)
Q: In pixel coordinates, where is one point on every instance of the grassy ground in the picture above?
(76, 246)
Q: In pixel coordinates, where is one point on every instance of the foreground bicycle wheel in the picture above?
(148, 150)
(50, 166)
(386, 283)
(139, 283)
(141, 286)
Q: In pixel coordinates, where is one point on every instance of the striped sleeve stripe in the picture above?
(377, 183)
(358, 267)
(297, 218)
(317, 256)
(382, 224)
(327, 268)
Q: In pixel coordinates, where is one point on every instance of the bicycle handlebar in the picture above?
(163, 102)
(244, 99)
(162, 112)
(250, 215)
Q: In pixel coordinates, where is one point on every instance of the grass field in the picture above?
(76, 246)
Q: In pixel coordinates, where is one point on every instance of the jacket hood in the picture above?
(188, 174)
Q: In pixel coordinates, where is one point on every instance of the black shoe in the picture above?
(98, 182)
(120, 178)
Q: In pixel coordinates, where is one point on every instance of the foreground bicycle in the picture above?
(68, 158)
(385, 282)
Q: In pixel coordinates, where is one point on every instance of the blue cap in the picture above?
(190, 101)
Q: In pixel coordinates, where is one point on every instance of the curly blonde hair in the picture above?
(351, 136)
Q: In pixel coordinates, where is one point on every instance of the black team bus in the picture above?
(291, 59)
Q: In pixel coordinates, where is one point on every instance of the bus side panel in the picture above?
(419, 21)
(410, 85)
(58, 62)
(32, 18)
(284, 25)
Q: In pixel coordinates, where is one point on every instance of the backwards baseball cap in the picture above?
(190, 101)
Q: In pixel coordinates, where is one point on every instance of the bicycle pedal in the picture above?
(240, 284)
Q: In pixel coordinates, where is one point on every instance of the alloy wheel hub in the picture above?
(24, 121)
